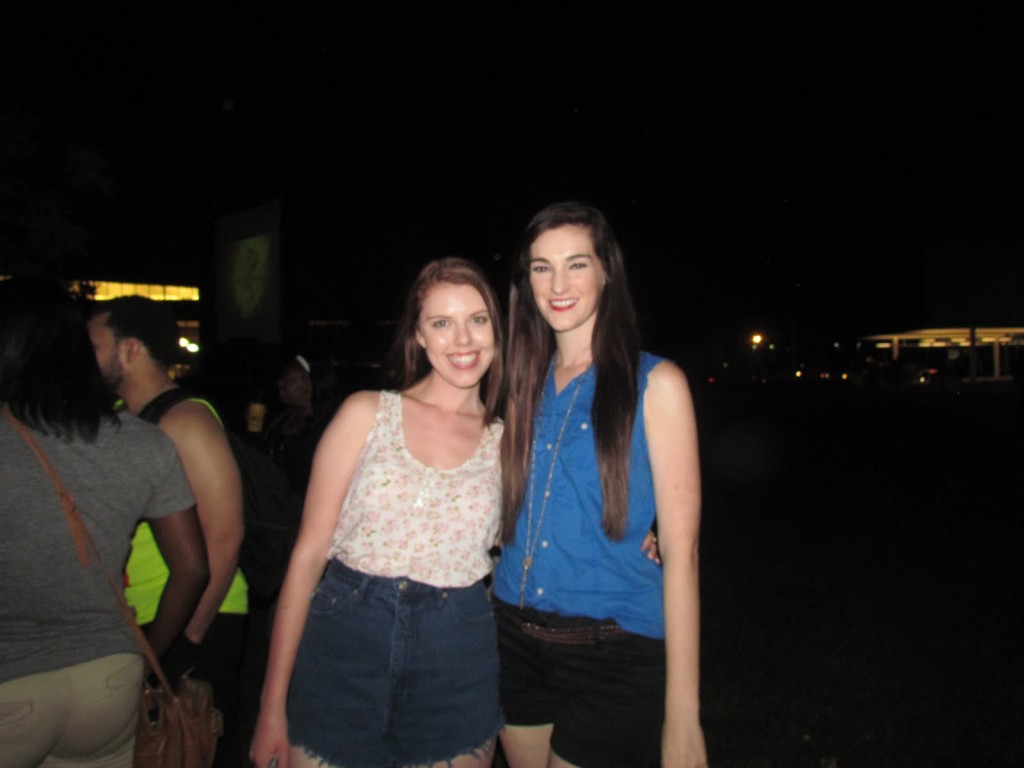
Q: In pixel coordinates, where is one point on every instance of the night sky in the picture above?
(838, 169)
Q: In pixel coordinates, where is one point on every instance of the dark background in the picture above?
(813, 171)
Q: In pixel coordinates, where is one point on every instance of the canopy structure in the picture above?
(972, 339)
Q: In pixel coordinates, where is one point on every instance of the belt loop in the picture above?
(362, 584)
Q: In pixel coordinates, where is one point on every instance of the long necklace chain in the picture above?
(531, 545)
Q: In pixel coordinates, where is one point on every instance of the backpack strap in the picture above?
(155, 409)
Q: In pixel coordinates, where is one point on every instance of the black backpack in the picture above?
(271, 509)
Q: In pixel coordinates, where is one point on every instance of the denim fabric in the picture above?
(394, 672)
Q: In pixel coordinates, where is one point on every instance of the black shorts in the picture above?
(601, 687)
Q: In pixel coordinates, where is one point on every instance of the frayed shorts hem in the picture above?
(477, 751)
(390, 669)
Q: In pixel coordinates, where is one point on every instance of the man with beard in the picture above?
(136, 340)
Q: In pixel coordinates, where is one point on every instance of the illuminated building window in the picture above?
(105, 291)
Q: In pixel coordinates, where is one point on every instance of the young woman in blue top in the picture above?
(599, 648)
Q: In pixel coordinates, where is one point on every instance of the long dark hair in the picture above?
(48, 373)
(615, 348)
(409, 361)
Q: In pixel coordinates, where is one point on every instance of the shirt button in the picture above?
(403, 584)
(584, 425)
(544, 544)
(549, 446)
(540, 590)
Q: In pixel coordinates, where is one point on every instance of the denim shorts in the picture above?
(394, 672)
(605, 695)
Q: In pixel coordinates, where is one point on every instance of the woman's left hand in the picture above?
(650, 547)
(683, 745)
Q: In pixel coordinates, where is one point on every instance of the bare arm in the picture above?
(333, 467)
(672, 440)
(213, 476)
(181, 543)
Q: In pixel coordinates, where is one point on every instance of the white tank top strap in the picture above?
(389, 416)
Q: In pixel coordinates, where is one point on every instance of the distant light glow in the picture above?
(105, 290)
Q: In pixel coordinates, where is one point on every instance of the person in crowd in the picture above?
(136, 340)
(394, 660)
(292, 435)
(599, 648)
(290, 440)
(71, 670)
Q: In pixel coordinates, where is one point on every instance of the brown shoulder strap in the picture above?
(84, 542)
(78, 530)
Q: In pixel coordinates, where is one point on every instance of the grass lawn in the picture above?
(861, 578)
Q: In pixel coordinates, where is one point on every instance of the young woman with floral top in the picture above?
(394, 659)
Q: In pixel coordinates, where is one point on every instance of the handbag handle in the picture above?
(84, 542)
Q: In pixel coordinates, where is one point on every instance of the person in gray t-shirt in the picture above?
(63, 639)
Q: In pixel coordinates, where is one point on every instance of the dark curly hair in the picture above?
(151, 322)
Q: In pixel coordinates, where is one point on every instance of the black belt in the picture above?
(582, 631)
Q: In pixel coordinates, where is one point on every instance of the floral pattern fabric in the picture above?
(403, 518)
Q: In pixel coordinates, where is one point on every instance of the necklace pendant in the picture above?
(527, 563)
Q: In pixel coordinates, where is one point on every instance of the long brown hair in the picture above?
(615, 348)
(409, 361)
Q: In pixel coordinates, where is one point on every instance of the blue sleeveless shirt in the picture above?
(575, 569)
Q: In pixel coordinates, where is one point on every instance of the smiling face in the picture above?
(456, 331)
(567, 279)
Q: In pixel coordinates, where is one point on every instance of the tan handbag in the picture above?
(175, 730)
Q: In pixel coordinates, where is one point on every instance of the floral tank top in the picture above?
(403, 518)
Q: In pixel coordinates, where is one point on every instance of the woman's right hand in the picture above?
(269, 748)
